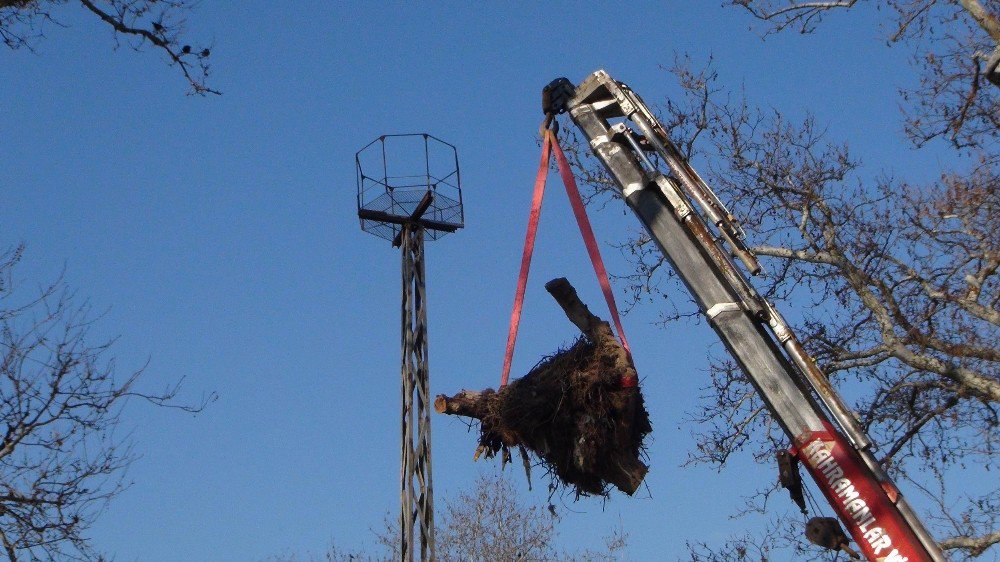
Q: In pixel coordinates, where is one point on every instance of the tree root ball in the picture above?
(573, 412)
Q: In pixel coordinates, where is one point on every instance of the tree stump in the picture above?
(580, 410)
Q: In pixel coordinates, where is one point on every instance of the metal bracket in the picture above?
(790, 479)
(556, 95)
(720, 308)
(993, 67)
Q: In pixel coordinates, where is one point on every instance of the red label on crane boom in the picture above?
(860, 500)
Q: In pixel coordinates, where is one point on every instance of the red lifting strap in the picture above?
(588, 238)
(529, 247)
(549, 143)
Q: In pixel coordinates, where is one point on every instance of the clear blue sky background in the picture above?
(221, 233)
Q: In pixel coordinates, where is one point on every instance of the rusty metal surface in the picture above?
(415, 482)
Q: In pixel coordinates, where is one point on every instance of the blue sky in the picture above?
(220, 233)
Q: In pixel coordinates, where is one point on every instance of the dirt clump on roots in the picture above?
(573, 413)
(579, 411)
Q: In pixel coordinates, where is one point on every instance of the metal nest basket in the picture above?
(396, 173)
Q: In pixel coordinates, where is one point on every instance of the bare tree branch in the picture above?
(987, 20)
(804, 15)
(975, 545)
(158, 23)
(60, 404)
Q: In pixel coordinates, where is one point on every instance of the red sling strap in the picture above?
(548, 144)
(589, 240)
(529, 248)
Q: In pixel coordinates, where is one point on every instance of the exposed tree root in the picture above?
(572, 410)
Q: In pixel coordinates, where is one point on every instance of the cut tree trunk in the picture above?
(580, 411)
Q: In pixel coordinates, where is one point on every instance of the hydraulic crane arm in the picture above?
(701, 238)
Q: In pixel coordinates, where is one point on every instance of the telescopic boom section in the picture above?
(703, 241)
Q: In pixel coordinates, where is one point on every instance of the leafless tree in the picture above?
(489, 523)
(955, 49)
(136, 23)
(61, 455)
(896, 282)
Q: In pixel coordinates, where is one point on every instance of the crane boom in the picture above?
(701, 238)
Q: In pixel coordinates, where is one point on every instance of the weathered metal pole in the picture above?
(416, 490)
(405, 207)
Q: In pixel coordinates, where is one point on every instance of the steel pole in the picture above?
(416, 489)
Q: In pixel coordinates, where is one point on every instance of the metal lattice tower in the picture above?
(409, 189)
